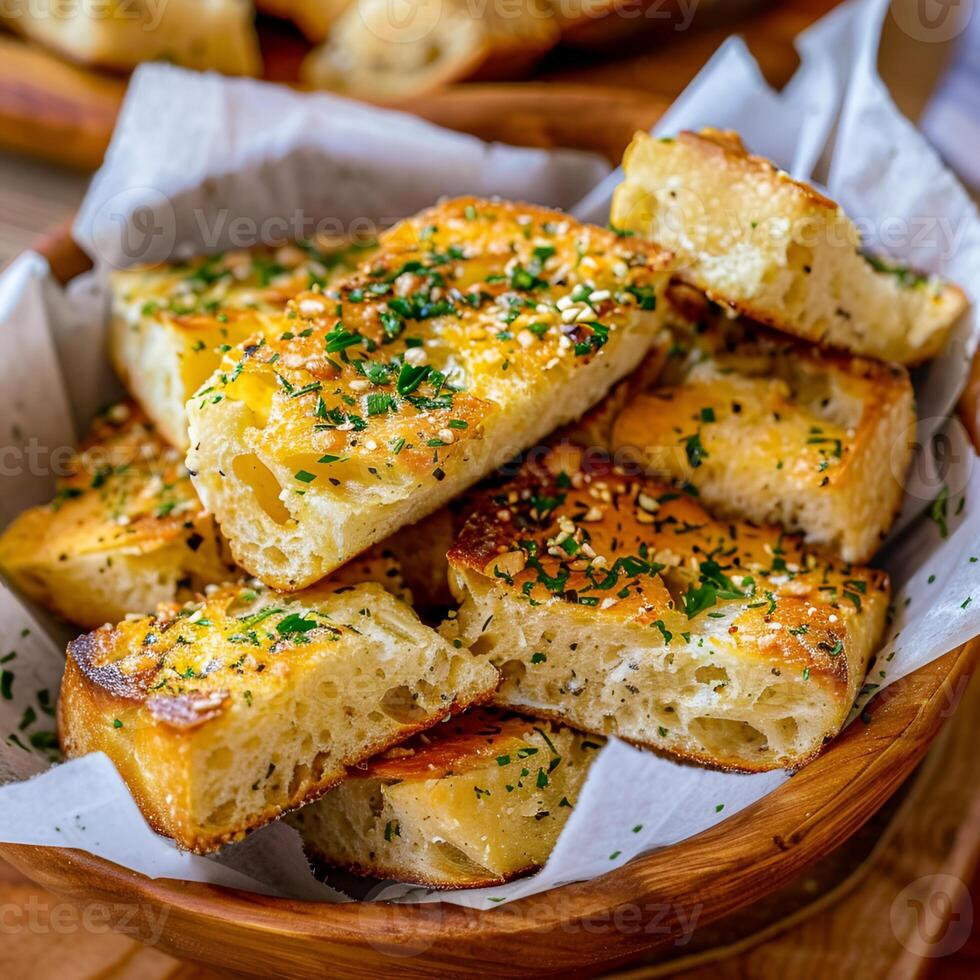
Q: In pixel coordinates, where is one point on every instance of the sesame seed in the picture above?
(311, 307)
(416, 356)
(646, 502)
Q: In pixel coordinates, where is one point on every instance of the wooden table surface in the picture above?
(869, 918)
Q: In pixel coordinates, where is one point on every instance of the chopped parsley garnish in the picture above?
(340, 339)
(295, 623)
(694, 449)
(937, 511)
(410, 377)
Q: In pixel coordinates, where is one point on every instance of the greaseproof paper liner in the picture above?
(240, 148)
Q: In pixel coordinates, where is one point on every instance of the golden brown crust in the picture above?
(161, 695)
(369, 55)
(411, 875)
(124, 532)
(478, 327)
(728, 154)
(81, 702)
(816, 440)
(464, 743)
(774, 249)
(659, 551)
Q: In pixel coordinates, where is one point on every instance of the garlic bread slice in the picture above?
(776, 431)
(172, 322)
(778, 251)
(619, 606)
(119, 34)
(475, 801)
(372, 55)
(124, 533)
(224, 713)
(477, 329)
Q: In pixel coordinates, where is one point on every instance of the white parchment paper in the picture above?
(193, 153)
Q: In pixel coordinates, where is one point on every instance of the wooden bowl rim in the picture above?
(778, 837)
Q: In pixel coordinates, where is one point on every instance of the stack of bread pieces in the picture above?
(459, 506)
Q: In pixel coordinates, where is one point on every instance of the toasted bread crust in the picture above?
(173, 700)
(415, 378)
(370, 55)
(409, 874)
(477, 800)
(82, 702)
(618, 605)
(218, 35)
(787, 433)
(171, 322)
(776, 250)
(125, 531)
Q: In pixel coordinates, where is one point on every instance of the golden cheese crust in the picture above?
(224, 713)
(776, 250)
(620, 606)
(172, 322)
(125, 531)
(476, 801)
(777, 431)
(478, 328)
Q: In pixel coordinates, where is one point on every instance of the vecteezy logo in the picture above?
(400, 21)
(402, 929)
(941, 459)
(933, 916)
(135, 225)
(933, 20)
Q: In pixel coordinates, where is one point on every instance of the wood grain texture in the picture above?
(55, 110)
(871, 927)
(581, 928)
(811, 927)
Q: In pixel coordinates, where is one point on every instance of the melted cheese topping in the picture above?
(215, 302)
(125, 488)
(197, 653)
(465, 311)
(583, 532)
(465, 743)
(734, 396)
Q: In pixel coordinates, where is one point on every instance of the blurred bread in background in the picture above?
(201, 34)
(372, 54)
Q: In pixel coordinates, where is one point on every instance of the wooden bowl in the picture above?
(582, 928)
